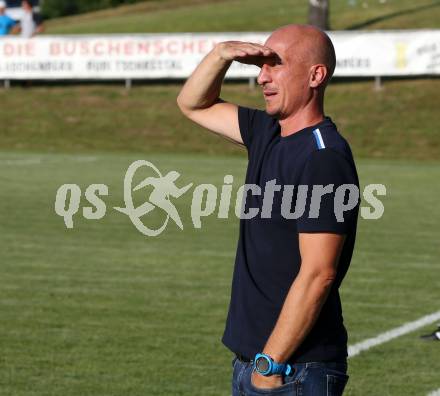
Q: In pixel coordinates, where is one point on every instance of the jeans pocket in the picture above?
(288, 385)
(336, 384)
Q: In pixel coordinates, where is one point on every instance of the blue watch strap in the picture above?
(281, 368)
(273, 367)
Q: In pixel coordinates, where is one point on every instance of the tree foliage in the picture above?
(58, 8)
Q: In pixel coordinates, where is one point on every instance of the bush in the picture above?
(58, 8)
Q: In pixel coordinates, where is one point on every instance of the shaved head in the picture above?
(306, 44)
(294, 79)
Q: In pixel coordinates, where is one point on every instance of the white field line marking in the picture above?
(389, 335)
(85, 159)
(37, 161)
(29, 161)
(435, 393)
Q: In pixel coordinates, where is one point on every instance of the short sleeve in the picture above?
(252, 122)
(245, 120)
(333, 193)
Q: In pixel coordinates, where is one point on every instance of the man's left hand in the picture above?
(262, 382)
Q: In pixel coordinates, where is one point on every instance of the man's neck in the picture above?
(299, 121)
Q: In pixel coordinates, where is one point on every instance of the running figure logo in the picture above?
(164, 187)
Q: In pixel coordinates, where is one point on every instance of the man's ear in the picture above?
(318, 74)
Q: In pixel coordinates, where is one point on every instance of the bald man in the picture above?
(285, 323)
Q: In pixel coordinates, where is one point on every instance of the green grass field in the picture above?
(247, 15)
(397, 122)
(103, 310)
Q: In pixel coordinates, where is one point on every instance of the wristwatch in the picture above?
(265, 365)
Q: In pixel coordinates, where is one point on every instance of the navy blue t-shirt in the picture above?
(268, 257)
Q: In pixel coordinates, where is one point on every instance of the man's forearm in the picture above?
(298, 315)
(203, 87)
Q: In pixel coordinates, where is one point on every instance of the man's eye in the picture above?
(274, 61)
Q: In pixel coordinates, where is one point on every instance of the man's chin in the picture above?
(272, 111)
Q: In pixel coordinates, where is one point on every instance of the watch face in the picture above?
(262, 365)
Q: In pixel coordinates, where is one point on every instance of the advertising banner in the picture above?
(154, 56)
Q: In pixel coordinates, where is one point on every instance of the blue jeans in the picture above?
(307, 379)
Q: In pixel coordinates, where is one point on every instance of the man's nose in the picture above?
(264, 76)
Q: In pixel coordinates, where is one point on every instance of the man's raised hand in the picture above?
(199, 98)
(244, 52)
